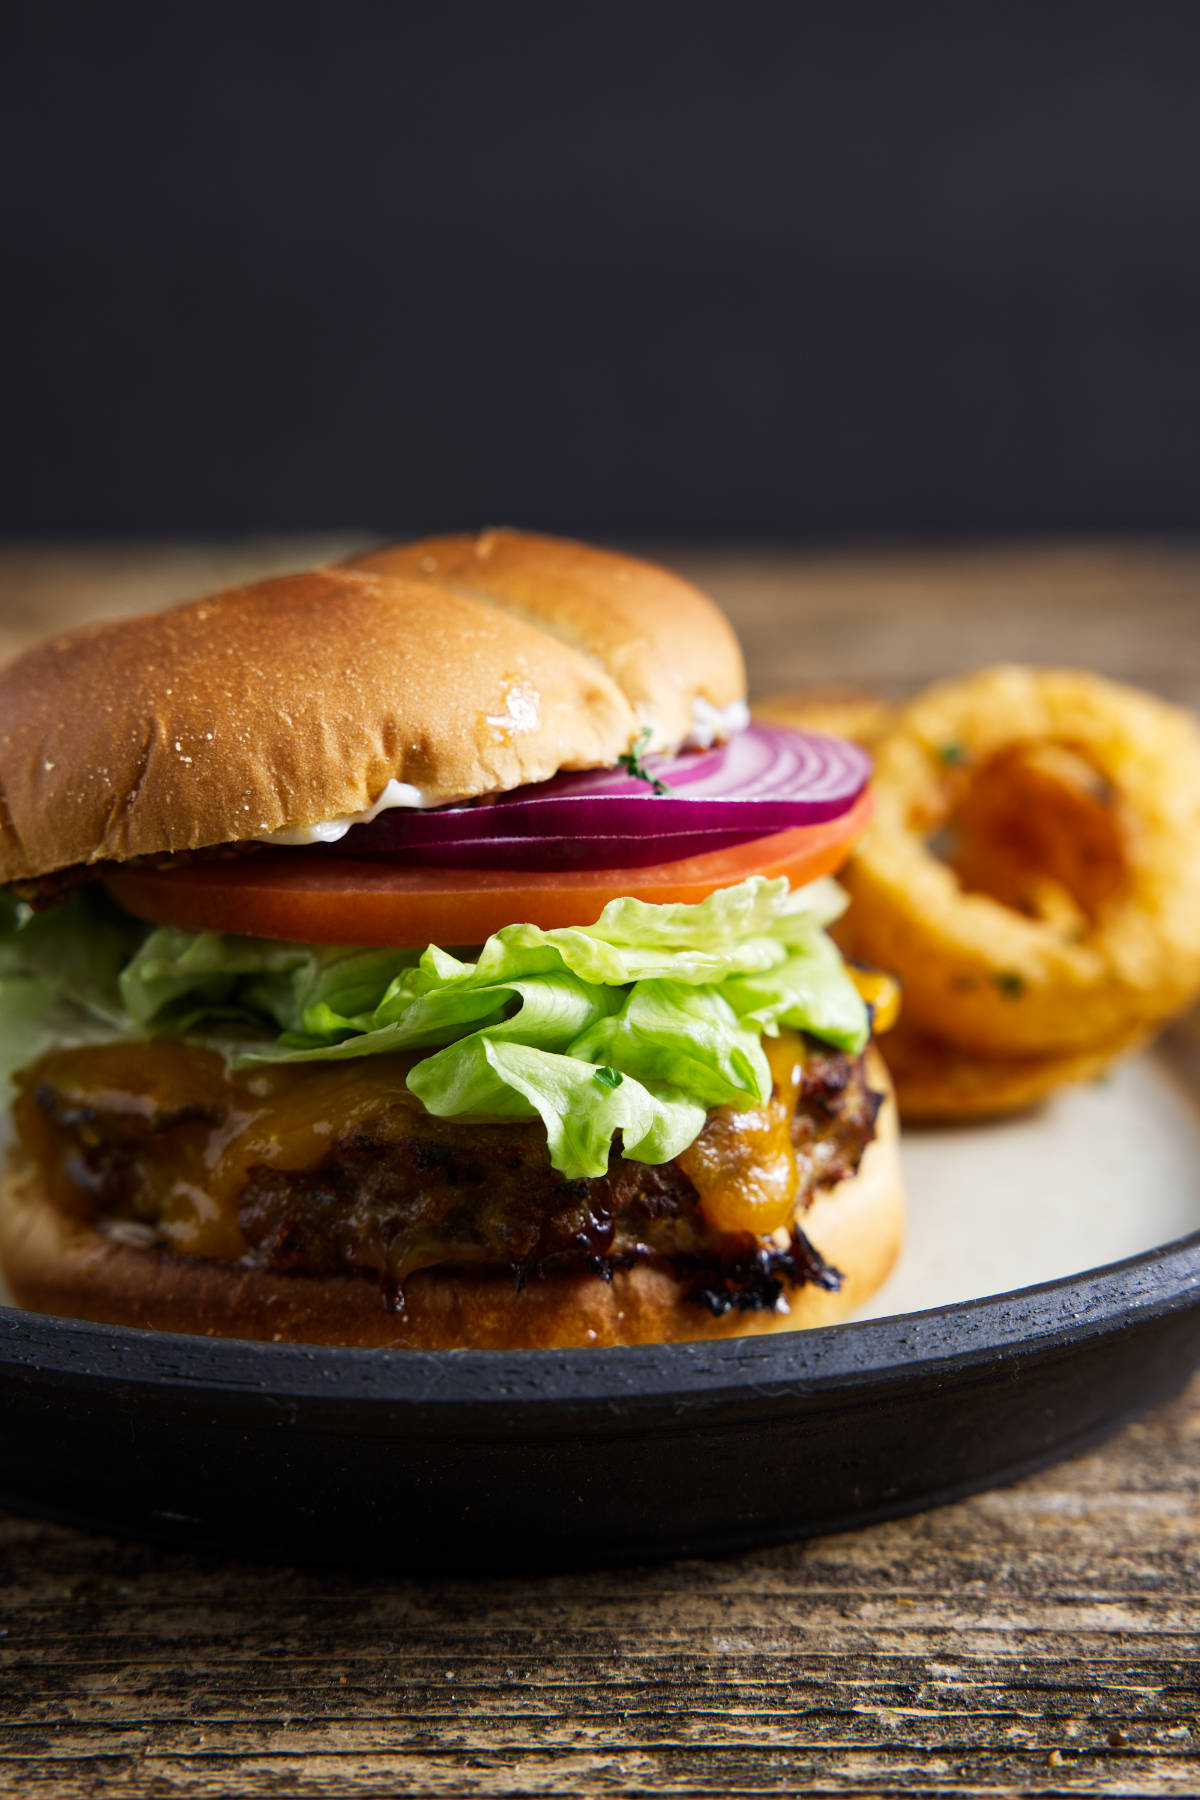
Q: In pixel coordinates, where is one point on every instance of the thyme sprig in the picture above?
(632, 761)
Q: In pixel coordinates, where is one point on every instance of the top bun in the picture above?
(656, 637)
(461, 665)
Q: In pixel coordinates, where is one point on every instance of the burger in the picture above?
(430, 951)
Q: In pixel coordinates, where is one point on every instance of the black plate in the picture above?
(495, 1460)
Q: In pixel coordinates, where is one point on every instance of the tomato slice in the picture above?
(311, 898)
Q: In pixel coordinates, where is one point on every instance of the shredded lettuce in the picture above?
(637, 1024)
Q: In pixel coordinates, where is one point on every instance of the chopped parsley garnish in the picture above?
(609, 1078)
(953, 755)
(632, 762)
(1010, 983)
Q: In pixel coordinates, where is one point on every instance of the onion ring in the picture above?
(1044, 981)
(938, 1084)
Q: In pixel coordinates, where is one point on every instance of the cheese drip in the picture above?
(190, 1132)
(743, 1165)
(193, 1129)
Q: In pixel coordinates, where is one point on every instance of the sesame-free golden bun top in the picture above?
(460, 666)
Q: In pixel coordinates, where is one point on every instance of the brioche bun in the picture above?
(657, 638)
(462, 666)
(78, 1272)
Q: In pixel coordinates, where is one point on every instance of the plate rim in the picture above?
(813, 1364)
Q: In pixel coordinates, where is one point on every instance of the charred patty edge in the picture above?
(503, 1209)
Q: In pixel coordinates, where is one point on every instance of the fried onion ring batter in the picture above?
(1032, 873)
(937, 1084)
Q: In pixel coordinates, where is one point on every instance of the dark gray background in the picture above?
(807, 271)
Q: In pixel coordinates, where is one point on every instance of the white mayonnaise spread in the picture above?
(713, 724)
(710, 724)
(396, 793)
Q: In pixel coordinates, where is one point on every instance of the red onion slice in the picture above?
(558, 852)
(764, 780)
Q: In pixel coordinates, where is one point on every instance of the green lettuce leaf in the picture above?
(690, 1037)
(59, 975)
(580, 1108)
(636, 1025)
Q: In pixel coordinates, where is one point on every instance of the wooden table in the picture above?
(1041, 1639)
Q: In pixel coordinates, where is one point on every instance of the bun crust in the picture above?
(296, 700)
(80, 1273)
(658, 638)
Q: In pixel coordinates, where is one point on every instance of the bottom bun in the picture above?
(55, 1266)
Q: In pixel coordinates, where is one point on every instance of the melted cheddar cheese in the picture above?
(221, 1123)
(881, 993)
(743, 1165)
(163, 1137)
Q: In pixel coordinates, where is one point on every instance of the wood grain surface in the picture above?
(1043, 1638)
